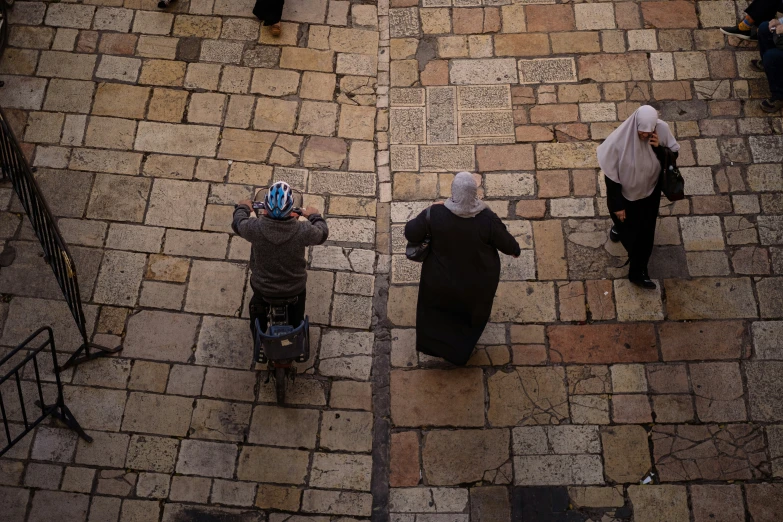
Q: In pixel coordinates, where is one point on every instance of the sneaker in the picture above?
(737, 32)
(771, 105)
(757, 65)
(614, 235)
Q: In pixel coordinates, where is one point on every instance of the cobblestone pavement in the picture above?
(145, 128)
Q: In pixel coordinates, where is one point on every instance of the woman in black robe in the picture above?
(270, 12)
(460, 275)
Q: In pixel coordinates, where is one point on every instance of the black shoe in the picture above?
(737, 32)
(771, 105)
(614, 235)
(644, 282)
(757, 65)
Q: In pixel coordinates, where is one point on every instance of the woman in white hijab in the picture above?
(460, 275)
(632, 169)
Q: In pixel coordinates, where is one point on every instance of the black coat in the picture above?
(458, 279)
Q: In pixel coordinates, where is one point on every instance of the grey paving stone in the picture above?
(177, 204)
(120, 278)
(220, 420)
(51, 505)
(225, 342)
(276, 426)
(209, 459)
(215, 287)
(161, 336)
(158, 414)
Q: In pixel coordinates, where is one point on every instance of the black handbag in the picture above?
(418, 251)
(672, 182)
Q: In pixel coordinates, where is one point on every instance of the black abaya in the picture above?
(269, 11)
(458, 279)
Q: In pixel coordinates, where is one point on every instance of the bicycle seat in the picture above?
(282, 301)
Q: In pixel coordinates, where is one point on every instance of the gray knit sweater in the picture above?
(277, 257)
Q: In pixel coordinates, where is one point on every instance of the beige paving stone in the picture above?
(210, 279)
(534, 301)
(275, 465)
(165, 73)
(119, 279)
(317, 118)
(512, 403)
(168, 194)
(195, 140)
(701, 233)
(359, 65)
(157, 47)
(153, 22)
(110, 133)
(149, 376)
(68, 96)
(185, 380)
(118, 68)
(428, 500)
(287, 427)
(444, 464)
(206, 108)
(245, 145)
(592, 496)
(626, 453)
(275, 115)
(558, 469)
(633, 305)
(662, 502)
(190, 489)
(157, 414)
(167, 105)
(66, 65)
(339, 503)
(340, 471)
(304, 59)
(317, 86)
(173, 336)
(212, 459)
(219, 420)
(356, 122)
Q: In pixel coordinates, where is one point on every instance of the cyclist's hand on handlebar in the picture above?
(247, 203)
(307, 212)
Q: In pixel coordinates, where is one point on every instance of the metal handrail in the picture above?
(58, 409)
(15, 167)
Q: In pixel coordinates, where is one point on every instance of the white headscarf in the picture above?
(464, 201)
(630, 161)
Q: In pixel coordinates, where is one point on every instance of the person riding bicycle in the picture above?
(277, 258)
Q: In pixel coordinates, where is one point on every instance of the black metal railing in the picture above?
(15, 167)
(4, 26)
(16, 383)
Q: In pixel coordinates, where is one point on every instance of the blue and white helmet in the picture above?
(279, 200)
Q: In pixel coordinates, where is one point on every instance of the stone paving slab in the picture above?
(146, 126)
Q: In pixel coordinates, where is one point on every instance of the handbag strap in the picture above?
(427, 217)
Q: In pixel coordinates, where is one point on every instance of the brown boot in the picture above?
(276, 29)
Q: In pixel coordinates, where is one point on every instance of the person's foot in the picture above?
(643, 280)
(737, 32)
(771, 105)
(614, 235)
(276, 29)
(757, 65)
